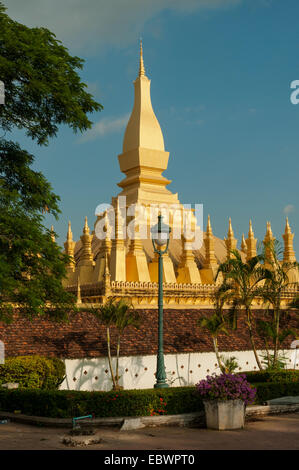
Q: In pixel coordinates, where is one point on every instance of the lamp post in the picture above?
(160, 237)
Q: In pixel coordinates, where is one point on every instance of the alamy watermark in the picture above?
(122, 221)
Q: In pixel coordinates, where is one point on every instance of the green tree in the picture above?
(42, 91)
(32, 266)
(217, 323)
(42, 86)
(275, 284)
(243, 282)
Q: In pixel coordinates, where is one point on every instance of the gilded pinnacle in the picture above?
(86, 228)
(141, 64)
(209, 227)
(287, 227)
(230, 232)
(69, 236)
(243, 244)
(250, 233)
(52, 233)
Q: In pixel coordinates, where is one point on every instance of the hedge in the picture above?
(33, 372)
(281, 375)
(67, 404)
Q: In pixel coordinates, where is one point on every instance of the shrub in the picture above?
(33, 372)
(226, 387)
(68, 404)
(289, 375)
(268, 391)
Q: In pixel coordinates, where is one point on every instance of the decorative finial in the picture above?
(209, 227)
(52, 233)
(243, 244)
(69, 236)
(287, 227)
(141, 64)
(230, 232)
(86, 228)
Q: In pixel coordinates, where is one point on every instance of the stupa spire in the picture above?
(230, 241)
(210, 259)
(289, 253)
(69, 245)
(250, 243)
(243, 244)
(52, 233)
(268, 242)
(143, 129)
(141, 64)
(86, 238)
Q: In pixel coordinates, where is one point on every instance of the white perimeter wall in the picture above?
(138, 371)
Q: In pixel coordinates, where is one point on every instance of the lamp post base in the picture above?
(161, 385)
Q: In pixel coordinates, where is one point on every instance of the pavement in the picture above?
(272, 432)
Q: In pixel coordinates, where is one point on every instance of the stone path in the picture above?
(266, 433)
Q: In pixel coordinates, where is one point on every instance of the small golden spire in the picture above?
(250, 243)
(230, 232)
(269, 243)
(287, 227)
(250, 233)
(141, 64)
(288, 236)
(230, 241)
(210, 259)
(209, 227)
(52, 233)
(86, 228)
(69, 236)
(243, 244)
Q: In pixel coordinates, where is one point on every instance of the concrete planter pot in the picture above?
(224, 415)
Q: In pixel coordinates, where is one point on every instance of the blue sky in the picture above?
(221, 73)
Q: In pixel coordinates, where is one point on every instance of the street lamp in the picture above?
(160, 237)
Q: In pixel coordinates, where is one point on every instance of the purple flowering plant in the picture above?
(226, 387)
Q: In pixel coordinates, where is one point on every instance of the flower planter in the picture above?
(224, 415)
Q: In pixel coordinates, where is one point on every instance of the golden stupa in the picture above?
(125, 266)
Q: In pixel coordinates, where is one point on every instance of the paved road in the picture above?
(268, 433)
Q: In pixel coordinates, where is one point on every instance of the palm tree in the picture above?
(107, 315)
(125, 316)
(243, 281)
(277, 281)
(119, 314)
(216, 323)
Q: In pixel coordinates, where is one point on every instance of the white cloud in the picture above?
(90, 25)
(105, 126)
(289, 208)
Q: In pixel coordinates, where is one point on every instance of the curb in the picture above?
(130, 423)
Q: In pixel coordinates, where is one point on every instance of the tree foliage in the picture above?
(43, 90)
(32, 266)
(42, 86)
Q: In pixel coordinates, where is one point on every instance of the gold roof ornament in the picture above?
(143, 129)
(288, 236)
(52, 233)
(210, 259)
(141, 64)
(69, 245)
(250, 243)
(243, 244)
(86, 239)
(230, 241)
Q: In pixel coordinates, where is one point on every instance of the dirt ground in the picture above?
(279, 432)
